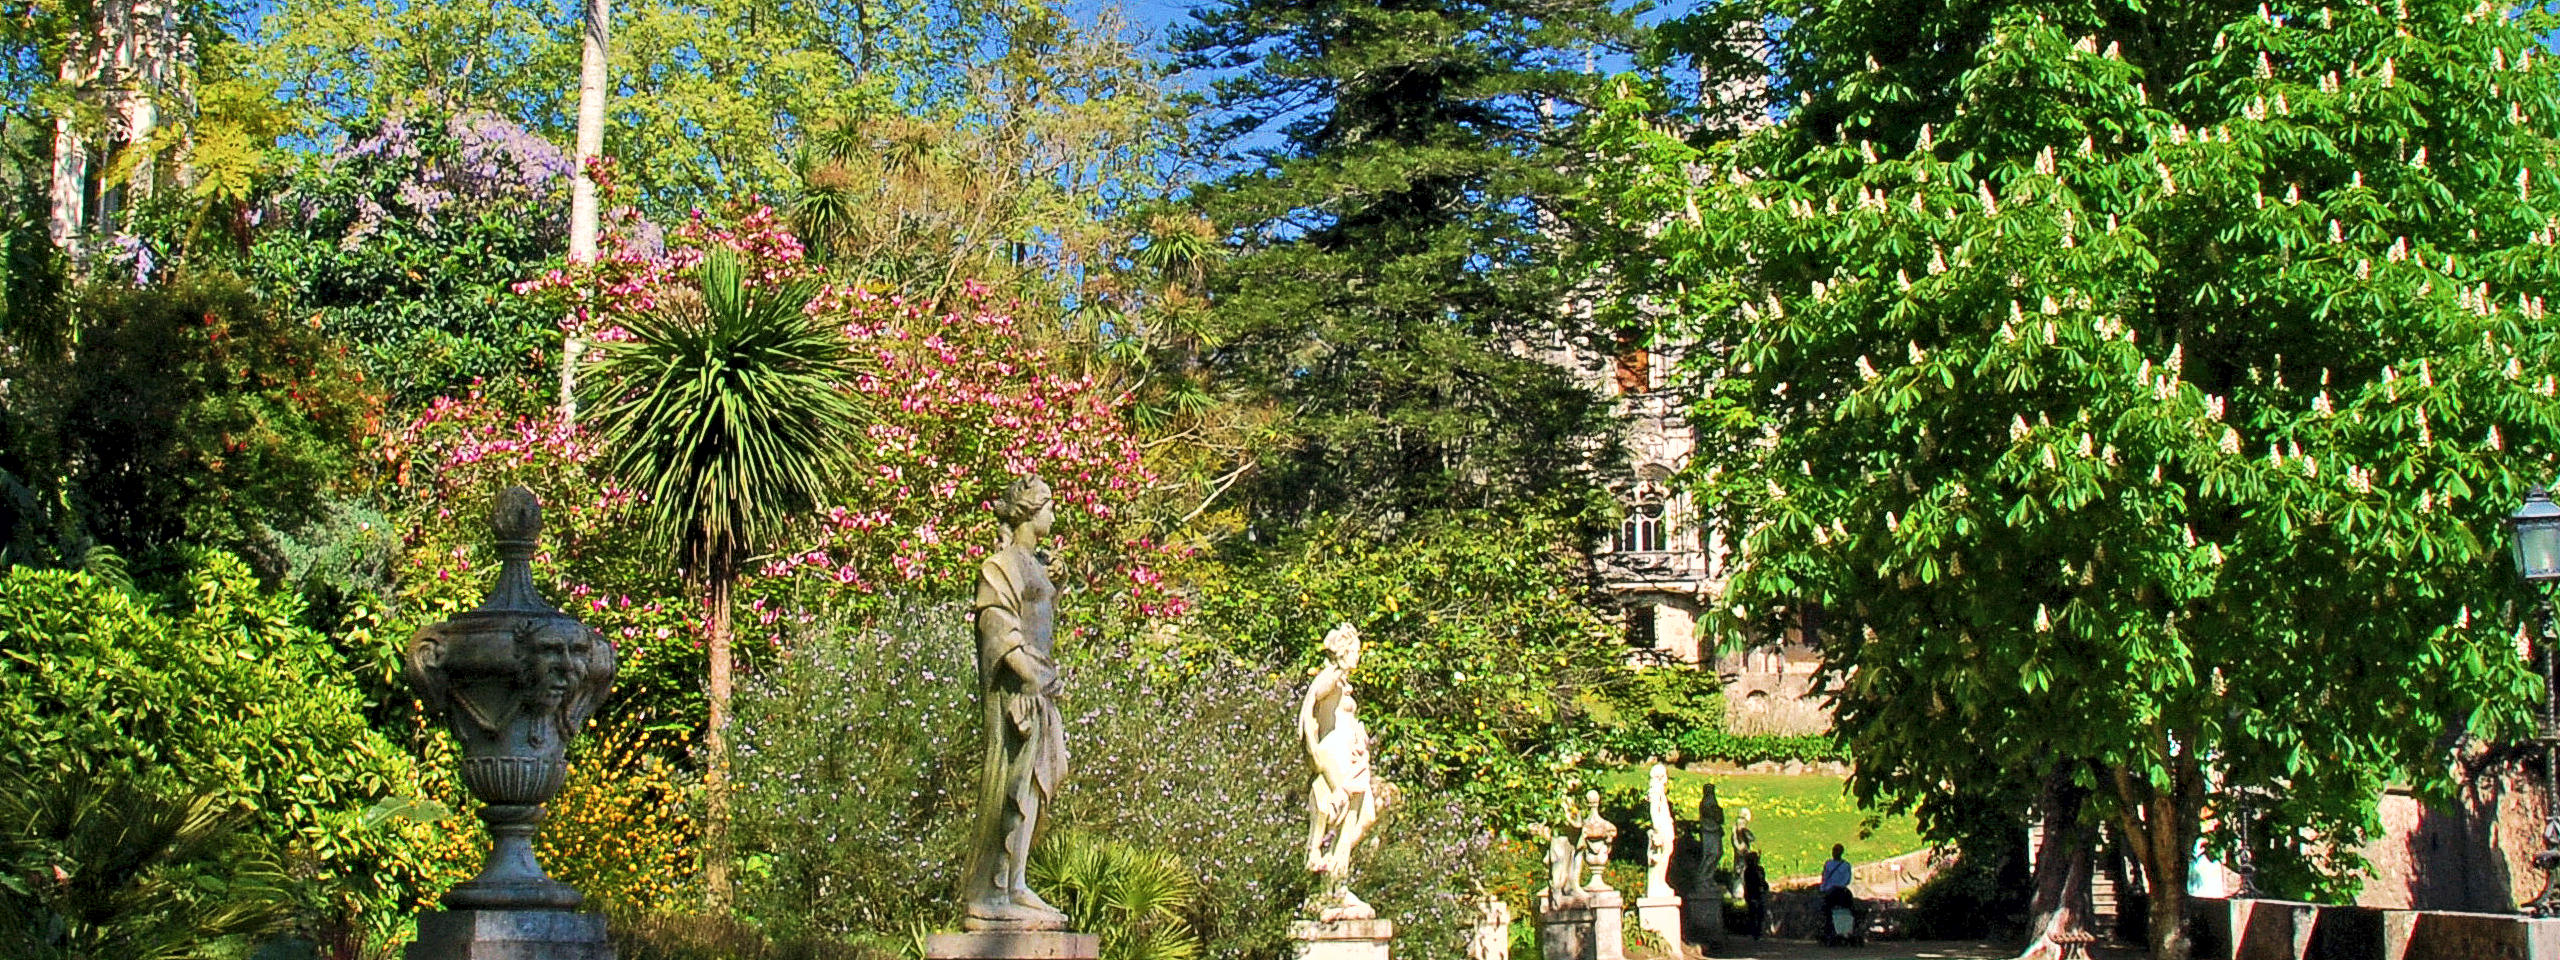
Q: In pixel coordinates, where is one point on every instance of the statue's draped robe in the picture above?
(1026, 754)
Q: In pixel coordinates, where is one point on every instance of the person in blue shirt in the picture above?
(1835, 893)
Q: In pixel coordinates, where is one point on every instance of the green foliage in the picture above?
(2137, 388)
(696, 937)
(191, 704)
(1660, 712)
(728, 411)
(98, 867)
(1482, 655)
(1388, 257)
(186, 414)
(857, 764)
(1701, 744)
(1136, 898)
(403, 241)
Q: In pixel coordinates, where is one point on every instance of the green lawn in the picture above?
(1796, 818)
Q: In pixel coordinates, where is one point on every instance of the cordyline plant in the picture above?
(728, 406)
(2134, 389)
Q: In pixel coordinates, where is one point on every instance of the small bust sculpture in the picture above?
(1490, 938)
(514, 679)
(1657, 840)
(1711, 844)
(1598, 834)
(1026, 748)
(1343, 797)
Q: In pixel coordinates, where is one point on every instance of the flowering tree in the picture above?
(964, 398)
(2136, 389)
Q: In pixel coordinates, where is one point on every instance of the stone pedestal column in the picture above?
(1589, 927)
(1661, 916)
(1340, 939)
(510, 935)
(1013, 945)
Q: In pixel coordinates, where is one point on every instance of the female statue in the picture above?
(1343, 797)
(1026, 756)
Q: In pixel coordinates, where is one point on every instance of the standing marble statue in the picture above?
(1026, 755)
(1598, 835)
(1657, 841)
(1343, 796)
(1710, 846)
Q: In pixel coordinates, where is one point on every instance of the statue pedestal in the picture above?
(1588, 927)
(1661, 916)
(1340, 939)
(510, 935)
(1013, 945)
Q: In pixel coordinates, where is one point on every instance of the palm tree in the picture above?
(731, 412)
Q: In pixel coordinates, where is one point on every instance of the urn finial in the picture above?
(516, 520)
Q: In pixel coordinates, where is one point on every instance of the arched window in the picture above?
(1645, 530)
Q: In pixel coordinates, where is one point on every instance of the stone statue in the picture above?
(1657, 841)
(1598, 834)
(515, 679)
(1343, 797)
(1710, 845)
(1026, 758)
(1743, 838)
(1490, 939)
(1564, 865)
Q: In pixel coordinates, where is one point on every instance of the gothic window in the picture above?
(1645, 530)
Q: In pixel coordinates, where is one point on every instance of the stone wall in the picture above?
(2472, 855)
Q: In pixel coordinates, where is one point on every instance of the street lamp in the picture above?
(2536, 527)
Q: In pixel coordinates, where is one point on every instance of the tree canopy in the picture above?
(2132, 387)
(1391, 262)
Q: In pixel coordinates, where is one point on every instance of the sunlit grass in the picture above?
(1796, 818)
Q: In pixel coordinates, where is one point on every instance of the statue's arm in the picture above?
(1319, 700)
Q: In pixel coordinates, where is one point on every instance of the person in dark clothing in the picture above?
(1755, 894)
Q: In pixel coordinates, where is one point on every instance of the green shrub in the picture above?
(857, 759)
(212, 688)
(187, 414)
(1485, 662)
(1702, 744)
(94, 867)
(1138, 899)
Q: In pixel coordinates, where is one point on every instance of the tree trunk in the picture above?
(2161, 823)
(69, 190)
(2061, 903)
(583, 215)
(715, 779)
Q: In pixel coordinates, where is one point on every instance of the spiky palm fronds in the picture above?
(1139, 900)
(731, 412)
(95, 866)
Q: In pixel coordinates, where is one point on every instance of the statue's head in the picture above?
(1660, 775)
(1026, 501)
(1591, 800)
(1342, 645)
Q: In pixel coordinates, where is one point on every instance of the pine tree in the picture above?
(1392, 273)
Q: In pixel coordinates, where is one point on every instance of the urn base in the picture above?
(510, 935)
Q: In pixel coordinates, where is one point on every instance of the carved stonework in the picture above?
(515, 679)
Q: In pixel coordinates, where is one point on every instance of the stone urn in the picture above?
(514, 679)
